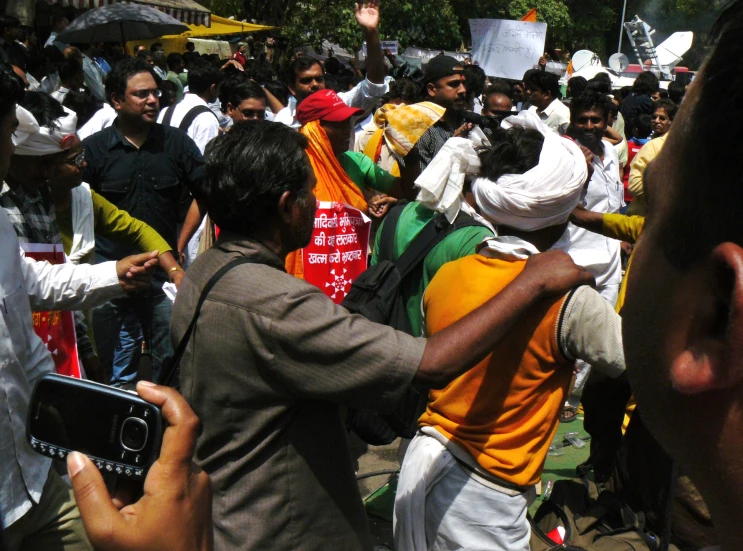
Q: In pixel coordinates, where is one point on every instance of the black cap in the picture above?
(442, 66)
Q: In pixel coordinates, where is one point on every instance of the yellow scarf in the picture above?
(333, 184)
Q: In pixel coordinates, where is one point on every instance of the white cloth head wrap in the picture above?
(34, 140)
(543, 196)
(442, 181)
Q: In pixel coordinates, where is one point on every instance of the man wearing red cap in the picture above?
(342, 175)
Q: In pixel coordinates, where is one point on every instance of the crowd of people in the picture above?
(185, 189)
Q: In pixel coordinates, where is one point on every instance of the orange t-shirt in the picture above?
(503, 412)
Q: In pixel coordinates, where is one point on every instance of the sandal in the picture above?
(569, 414)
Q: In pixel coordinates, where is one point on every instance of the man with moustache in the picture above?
(589, 113)
(150, 171)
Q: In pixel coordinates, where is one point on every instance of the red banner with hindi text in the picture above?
(55, 328)
(337, 253)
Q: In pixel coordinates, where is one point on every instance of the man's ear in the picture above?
(284, 207)
(116, 101)
(229, 109)
(291, 89)
(431, 89)
(713, 352)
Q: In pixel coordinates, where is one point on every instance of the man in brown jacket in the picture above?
(272, 359)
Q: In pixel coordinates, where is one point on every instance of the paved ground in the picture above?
(378, 494)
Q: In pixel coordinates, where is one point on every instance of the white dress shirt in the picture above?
(103, 118)
(25, 285)
(556, 116)
(363, 96)
(203, 129)
(605, 194)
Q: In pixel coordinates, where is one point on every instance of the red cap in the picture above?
(325, 105)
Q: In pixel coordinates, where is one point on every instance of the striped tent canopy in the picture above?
(187, 11)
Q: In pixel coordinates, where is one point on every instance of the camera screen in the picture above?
(92, 422)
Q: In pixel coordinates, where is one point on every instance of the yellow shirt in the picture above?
(648, 152)
(504, 412)
(624, 228)
(115, 224)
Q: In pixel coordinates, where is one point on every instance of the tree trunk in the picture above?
(25, 10)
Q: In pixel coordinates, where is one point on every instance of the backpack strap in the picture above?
(191, 116)
(389, 228)
(431, 235)
(168, 115)
(167, 376)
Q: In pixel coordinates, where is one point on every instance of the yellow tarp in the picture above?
(221, 26)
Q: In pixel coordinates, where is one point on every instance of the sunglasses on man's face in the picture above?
(253, 114)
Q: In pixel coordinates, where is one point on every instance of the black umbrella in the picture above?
(121, 23)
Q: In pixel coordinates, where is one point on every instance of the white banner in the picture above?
(505, 48)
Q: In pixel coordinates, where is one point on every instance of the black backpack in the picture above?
(377, 294)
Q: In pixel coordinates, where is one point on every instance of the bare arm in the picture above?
(367, 15)
(273, 103)
(193, 220)
(462, 345)
(592, 221)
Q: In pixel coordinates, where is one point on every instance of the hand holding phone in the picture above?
(174, 514)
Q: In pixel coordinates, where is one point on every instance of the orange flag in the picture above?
(531, 16)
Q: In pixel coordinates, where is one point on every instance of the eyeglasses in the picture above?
(78, 160)
(253, 114)
(144, 94)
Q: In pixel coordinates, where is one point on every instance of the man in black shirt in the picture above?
(150, 171)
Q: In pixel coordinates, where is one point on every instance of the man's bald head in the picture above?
(495, 102)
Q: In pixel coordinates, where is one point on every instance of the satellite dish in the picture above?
(618, 62)
(582, 59)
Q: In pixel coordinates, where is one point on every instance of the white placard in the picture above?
(391, 45)
(505, 48)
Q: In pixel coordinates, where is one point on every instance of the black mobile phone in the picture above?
(120, 432)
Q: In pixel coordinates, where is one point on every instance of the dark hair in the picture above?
(300, 65)
(190, 44)
(643, 126)
(144, 54)
(53, 54)
(173, 59)
(279, 90)
(475, 79)
(700, 217)
(262, 72)
(514, 151)
(11, 91)
(45, 109)
(170, 91)
(500, 86)
(546, 82)
(125, 69)
(333, 66)
(82, 103)
(587, 101)
(202, 75)
(576, 86)
(529, 73)
(70, 67)
(670, 107)
(645, 83)
(248, 169)
(676, 91)
(597, 86)
(156, 46)
(405, 89)
(236, 93)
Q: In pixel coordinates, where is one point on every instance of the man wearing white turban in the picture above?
(469, 475)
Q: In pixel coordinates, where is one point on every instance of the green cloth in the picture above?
(365, 174)
(173, 77)
(115, 224)
(459, 244)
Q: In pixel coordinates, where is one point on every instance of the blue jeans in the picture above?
(121, 325)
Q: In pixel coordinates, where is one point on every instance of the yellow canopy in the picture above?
(221, 26)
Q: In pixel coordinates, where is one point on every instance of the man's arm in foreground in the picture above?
(462, 345)
(175, 511)
(73, 287)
